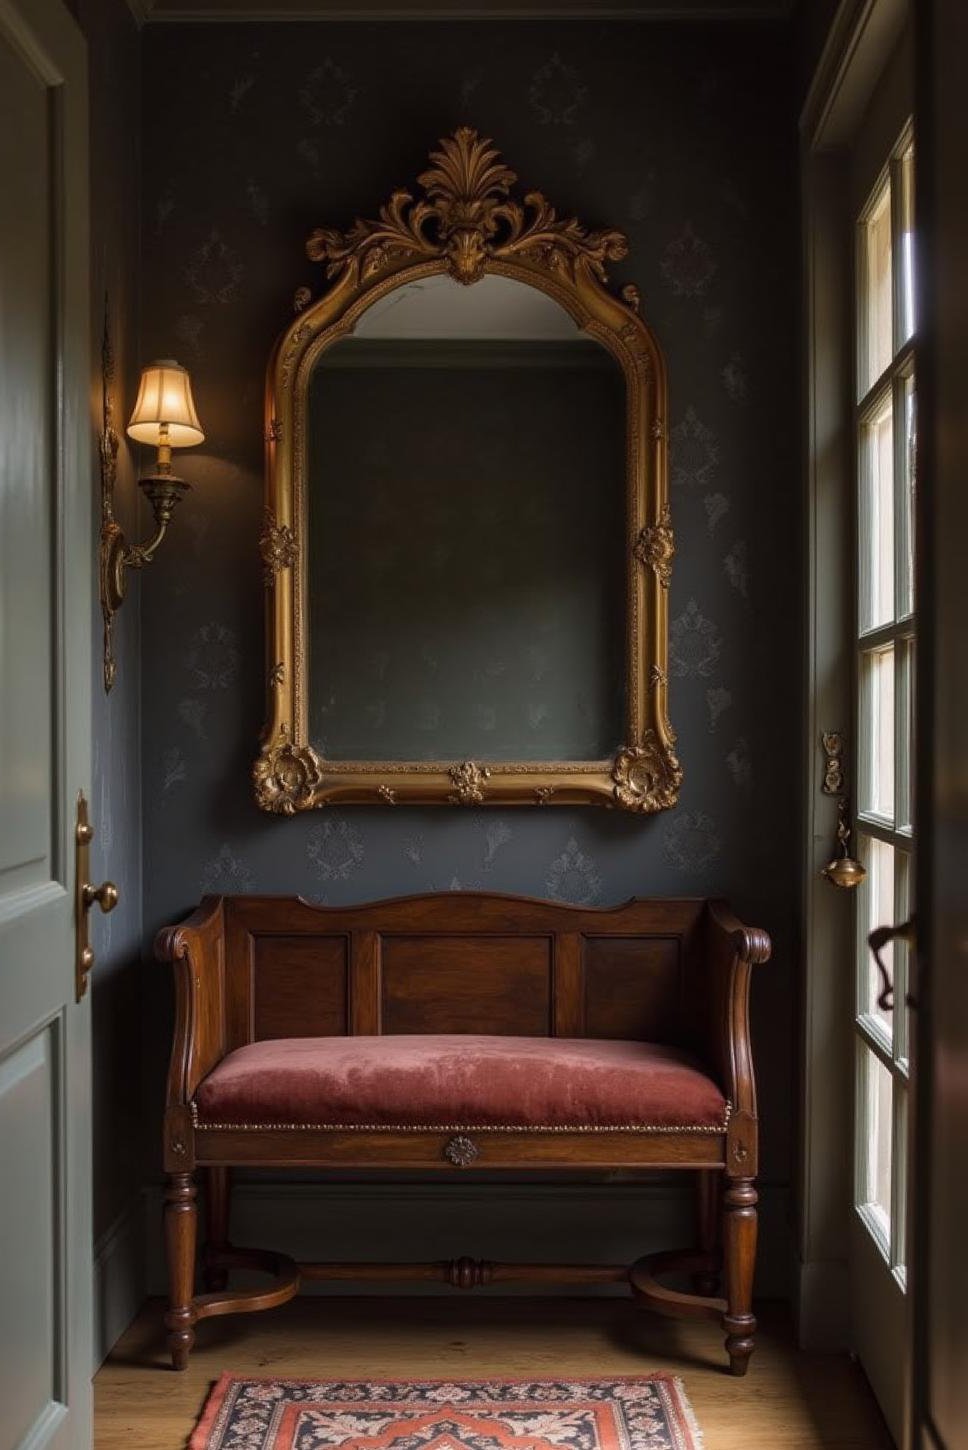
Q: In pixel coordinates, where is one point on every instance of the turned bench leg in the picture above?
(218, 1189)
(180, 1230)
(739, 1243)
(708, 1222)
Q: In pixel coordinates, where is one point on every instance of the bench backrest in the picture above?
(459, 962)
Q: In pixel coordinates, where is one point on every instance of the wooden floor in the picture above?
(789, 1400)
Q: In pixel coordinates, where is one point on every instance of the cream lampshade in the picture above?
(164, 414)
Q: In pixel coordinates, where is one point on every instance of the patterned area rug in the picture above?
(645, 1413)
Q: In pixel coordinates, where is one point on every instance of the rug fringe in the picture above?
(688, 1413)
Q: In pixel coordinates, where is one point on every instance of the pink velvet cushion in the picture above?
(457, 1080)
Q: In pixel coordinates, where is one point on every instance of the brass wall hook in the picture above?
(843, 870)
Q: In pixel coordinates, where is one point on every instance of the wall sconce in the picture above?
(164, 417)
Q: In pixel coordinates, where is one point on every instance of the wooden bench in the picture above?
(463, 1032)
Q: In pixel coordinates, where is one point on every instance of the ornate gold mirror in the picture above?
(467, 541)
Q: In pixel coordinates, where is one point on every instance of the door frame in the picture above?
(940, 1185)
(861, 41)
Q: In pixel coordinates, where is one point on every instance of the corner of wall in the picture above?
(119, 1276)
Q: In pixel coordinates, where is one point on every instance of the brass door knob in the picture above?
(106, 896)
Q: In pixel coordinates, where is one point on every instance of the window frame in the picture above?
(874, 1042)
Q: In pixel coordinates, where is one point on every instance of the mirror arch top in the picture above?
(464, 224)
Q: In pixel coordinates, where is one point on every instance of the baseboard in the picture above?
(823, 1305)
(565, 1222)
(119, 1277)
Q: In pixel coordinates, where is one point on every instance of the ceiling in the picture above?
(170, 10)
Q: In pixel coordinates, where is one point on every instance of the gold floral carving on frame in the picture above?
(647, 777)
(277, 544)
(468, 780)
(464, 220)
(656, 546)
(287, 777)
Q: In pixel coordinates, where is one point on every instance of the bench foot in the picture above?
(739, 1242)
(180, 1232)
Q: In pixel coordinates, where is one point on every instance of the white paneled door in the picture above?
(45, 732)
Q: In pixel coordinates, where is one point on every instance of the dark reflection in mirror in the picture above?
(466, 526)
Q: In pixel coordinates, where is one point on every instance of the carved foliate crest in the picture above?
(647, 777)
(465, 215)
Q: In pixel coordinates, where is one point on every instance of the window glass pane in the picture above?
(876, 745)
(877, 899)
(876, 1112)
(877, 516)
(904, 747)
(905, 603)
(877, 322)
(906, 241)
(899, 1248)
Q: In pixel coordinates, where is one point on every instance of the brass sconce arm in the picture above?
(164, 494)
(164, 417)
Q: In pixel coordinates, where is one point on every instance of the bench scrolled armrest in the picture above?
(728, 952)
(196, 950)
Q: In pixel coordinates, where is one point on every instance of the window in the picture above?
(885, 642)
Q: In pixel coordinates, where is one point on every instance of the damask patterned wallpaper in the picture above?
(685, 137)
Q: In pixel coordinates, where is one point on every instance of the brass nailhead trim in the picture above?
(461, 1127)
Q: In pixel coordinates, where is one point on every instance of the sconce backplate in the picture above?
(112, 537)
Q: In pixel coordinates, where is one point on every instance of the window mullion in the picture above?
(896, 629)
(901, 364)
(882, 831)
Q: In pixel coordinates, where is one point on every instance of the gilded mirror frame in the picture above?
(465, 222)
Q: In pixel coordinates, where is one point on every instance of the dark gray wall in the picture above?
(115, 102)
(114, 79)
(812, 22)
(683, 136)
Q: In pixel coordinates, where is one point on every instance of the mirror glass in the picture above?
(465, 512)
